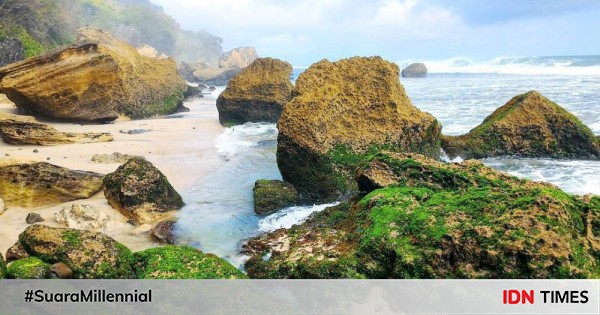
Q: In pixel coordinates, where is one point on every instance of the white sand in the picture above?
(182, 153)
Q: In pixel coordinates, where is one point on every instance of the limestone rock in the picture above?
(415, 70)
(94, 80)
(17, 129)
(439, 221)
(115, 157)
(272, 195)
(140, 191)
(256, 94)
(529, 125)
(240, 57)
(33, 217)
(82, 217)
(89, 255)
(182, 262)
(163, 232)
(340, 112)
(28, 268)
(16, 252)
(11, 50)
(40, 184)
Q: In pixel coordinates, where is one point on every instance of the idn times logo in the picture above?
(514, 297)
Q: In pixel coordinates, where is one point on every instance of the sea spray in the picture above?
(287, 217)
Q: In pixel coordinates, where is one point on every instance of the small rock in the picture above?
(134, 131)
(6, 154)
(61, 271)
(163, 232)
(35, 151)
(211, 88)
(48, 159)
(82, 217)
(16, 252)
(33, 217)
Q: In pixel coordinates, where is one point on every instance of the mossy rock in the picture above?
(435, 220)
(327, 128)
(272, 195)
(140, 191)
(182, 262)
(90, 255)
(529, 125)
(28, 268)
(2, 267)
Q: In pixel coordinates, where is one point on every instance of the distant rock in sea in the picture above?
(529, 125)
(257, 94)
(230, 64)
(415, 70)
(96, 80)
(238, 58)
(340, 112)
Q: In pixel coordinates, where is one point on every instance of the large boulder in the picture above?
(340, 112)
(182, 262)
(439, 220)
(17, 129)
(256, 94)
(272, 195)
(415, 70)
(40, 184)
(11, 50)
(240, 57)
(95, 80)
(89, 255)
(529, 125)
(140, 191)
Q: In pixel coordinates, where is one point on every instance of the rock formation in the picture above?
(16, 252)
(82, 217)
(17, 129)
(182, 262)
(341, 112)
(256, 94)
(89, 255)
(40, 184)
(240, 57)
(28, 268)
(140, 191)
(95, 80)
(529, 125)
(415, 70)
(437, 220)
(163, 232)
(272, 195)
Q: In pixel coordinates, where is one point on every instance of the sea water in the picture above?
(460, 93)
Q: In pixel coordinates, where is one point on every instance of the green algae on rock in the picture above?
(257, 94)
(2, 267)
(529, 125)
(40, 184)
(89, 255)
(140, 191)
(182, 262)
(483, 224)
(272, 195)
(28, 268)
(340, 113)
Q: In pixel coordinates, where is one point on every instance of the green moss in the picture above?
(31, 47)
(165, 106)
(28, 268)
(182, 262)
(272, 195)
(2, 267)
(72, 237)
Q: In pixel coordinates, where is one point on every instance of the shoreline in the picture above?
(181, 146)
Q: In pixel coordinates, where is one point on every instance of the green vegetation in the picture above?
(28, 268)
(2, 267)
(182, 262)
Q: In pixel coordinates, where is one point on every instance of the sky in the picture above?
(305, 31)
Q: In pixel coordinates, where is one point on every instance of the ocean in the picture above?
(459, 92)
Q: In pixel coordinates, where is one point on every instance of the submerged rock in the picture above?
(182, 262)
(40, 184)
(256, 94)
(415, 70)
(28, 268)
(529, 125)
(16, 129)
(340, 112)
(163, 232)
(272, 195)
(436, 220)
(95, 80)
(140, 191)
(89, 255)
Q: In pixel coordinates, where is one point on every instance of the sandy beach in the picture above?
(181, 146)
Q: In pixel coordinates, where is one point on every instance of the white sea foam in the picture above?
(287, 217)
(237, 139)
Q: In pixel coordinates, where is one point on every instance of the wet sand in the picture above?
(182, 146)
